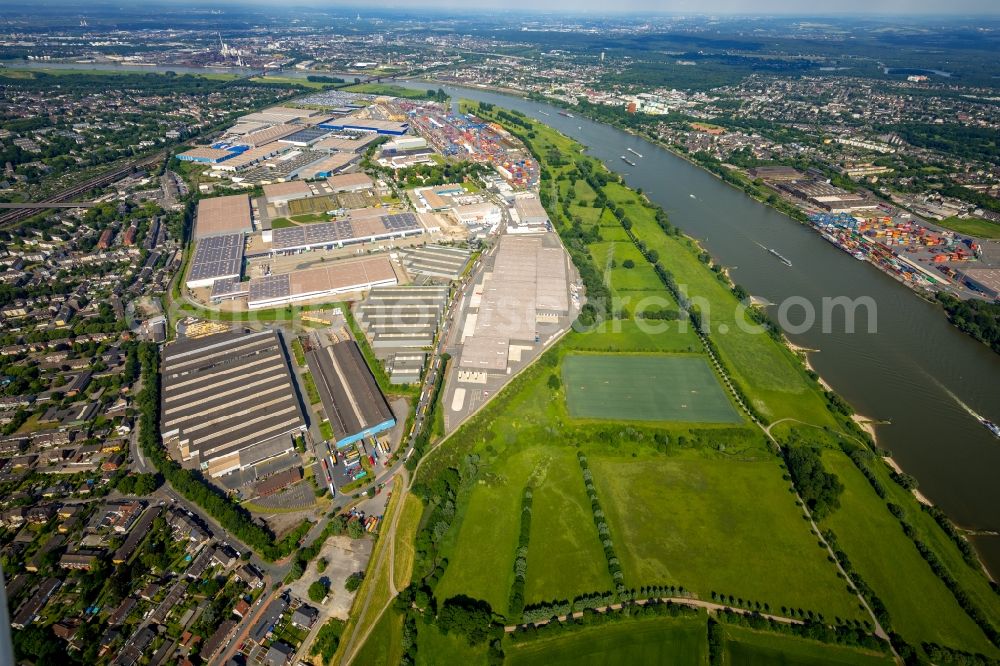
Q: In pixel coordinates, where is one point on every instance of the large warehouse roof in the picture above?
(313, 282)
(344, 231)
(225, 393)
(214, 258)
(351, 399)
(223, 215)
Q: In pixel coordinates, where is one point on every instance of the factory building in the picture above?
(530, 215)
(288, 191)
(350, 182)
(353, 403)
(228, 400)
(205, 155)
(337, 278)
(402, 317)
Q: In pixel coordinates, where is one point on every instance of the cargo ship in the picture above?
(563, 113)
(633, 152)
(627, 161)
(783, 260)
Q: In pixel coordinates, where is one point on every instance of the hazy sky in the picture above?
(745, 7)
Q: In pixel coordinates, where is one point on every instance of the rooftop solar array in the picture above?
(270, 286)
(229, 287)
(341, 231)
(217, 256)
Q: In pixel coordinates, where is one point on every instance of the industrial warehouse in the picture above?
(436, 261)
(401, 323)
(337, 278)
(345, 232)
(220, 216)
(228, 401)
(354, 405)
(216, 258)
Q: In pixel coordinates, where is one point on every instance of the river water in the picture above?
(916, 370)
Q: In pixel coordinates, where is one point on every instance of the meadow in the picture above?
(661, 640)
(721, 525)
(921, 607)
(745, 647)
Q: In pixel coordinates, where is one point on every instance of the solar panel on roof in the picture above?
(217, 256)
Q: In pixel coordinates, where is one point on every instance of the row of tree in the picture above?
(516, 603)
(600, 522)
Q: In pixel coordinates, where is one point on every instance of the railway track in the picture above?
(100, 180)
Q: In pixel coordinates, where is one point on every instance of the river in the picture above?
(916, 370)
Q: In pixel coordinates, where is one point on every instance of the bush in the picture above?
(353, 581)
(317, 591)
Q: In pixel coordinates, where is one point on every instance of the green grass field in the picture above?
(564, 559)
(712, 524)
(437, 649)
(626, 335)
(921, 607)
(972, 226)
(384, 643)
(645, 388)
(643, 641)
(746, 647)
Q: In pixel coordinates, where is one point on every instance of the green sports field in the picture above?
(644, 388)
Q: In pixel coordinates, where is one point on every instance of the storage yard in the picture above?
(228, 401)
(467, 137)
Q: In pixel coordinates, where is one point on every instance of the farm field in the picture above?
(661, 640)
(746, 647)
(644, 388)
(712, 524)
(921, 607)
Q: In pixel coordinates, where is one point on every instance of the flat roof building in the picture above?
(336, 278)
(352, 400)
(225, 393)
(216, 258)
(223, 215)
(287, 191)
(387, 127)
(438, 261)
(205, 154)
(350, 182)
(345, 232)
